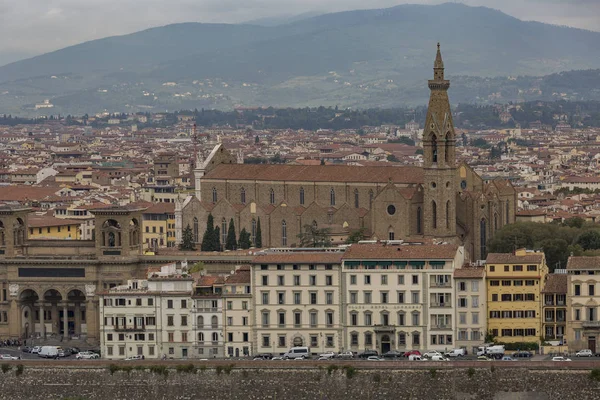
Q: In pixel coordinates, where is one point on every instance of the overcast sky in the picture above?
(30, 27)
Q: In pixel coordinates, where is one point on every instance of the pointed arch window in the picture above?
(507, 212)
(356, 203)
(371, 195)
(283, 233)
(301, 196)
(253, 233)
(419, 219)
(448, 214)
(196, 231)
(214, 195)
(332, 197)
(483, 238)
(495, 221)
(391, 234)
(223, 232)
(433, 215)
(243, 196)
(434, 149)
(447, 148)
(271, 196)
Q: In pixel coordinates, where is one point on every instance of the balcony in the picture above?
(440, 326)
(125, 328)
(440, 305)
(384, 328)
(591, 324)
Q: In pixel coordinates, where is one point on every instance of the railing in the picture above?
(121, 328)
(442, 305)
(441, 326)
(440, 284)
(591, 324)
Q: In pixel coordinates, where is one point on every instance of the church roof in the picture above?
(316, 173)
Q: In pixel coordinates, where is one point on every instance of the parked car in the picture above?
(87, 355)
(36, 349)
(560, 358)
(414, 357)
(484, 358)
(436, 357)
(393, 354)
(75, 350)
(263, 356)
(456, 353)
(26, 349)
(346, 354)
(584, 353)
(368, 353)
(297, 352)
(374, 358)
(412, 353)
(276, 358)
(432, 353)
(522, 354)
(8, 357)
(327, 355)
(134, 358)
(508, 358)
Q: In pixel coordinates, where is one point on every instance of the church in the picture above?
(442, 201)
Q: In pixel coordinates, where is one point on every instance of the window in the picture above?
(266, 341)
(400, 279)
(230, 305)
(483, 238)
(169, 303)
(591, 290)
(243, 196)
(518, 282)
(415, 297)
(415, 279)
(170, 320)
(416, 339)
(462, 286)
(296, 280)
(265, 319)
(332, 197)
(433, 215)
(301, 196)
(384, 297)
(367, 279)
(184, 320)
(474, 286)
(532, 268)
(529, 282)
(329, 318)
(183, 303)
(506, 283)
(517, 268)
(283, 233)
(214, 195)
(265, 280)
(492, 268)
(271, 196)
(368, 319)
(577, 290)
(171, 336)
(356, 203)
(280, 297)
(367, 296)
(462, 318)
(416, 319)
(419, 219)
(329, 298)
(368, 339)
(475, 301)
(312, 280)
(475, 318)
(400, 297)
(313, 319)
(281, 319)
(506, 297)
(384, 279)
(280, 280)
(353, 339)
(297, 298)
(354, 319)
(265, 298)
(328, 280)
(313, 297)
(353, 297)
(401, 319)
(577, 314)
(353, 279)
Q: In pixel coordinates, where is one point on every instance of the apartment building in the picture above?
(237, 313)
(470, 317)
(583, 323)
(554, 307)
(48, 227)
(147, 317)
(514, 295)
(297, 300)
(208, 316)
(158, 225)
(398, 296)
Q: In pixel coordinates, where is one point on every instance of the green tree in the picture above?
(557, 253)
(208, 239)
(481, 143)
(231, 243)
(244, 242)
(258, 243)
(356, 236)
(574, 222)
(187, 240)
(314, 237)
(197, 267)
(392, 158)
(216, 240)
(589, 240)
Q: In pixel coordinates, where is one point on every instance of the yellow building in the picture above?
(159, 226)
(48, 227)
(514, 285)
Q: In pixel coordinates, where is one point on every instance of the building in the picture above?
(442, 200)
(554, 307)
(238, 314)
(399, 296)
(208, 317)
(514, 295)
(470, 317)
(158, 222)
(149, 317)
(583, 323)
(48, 227)
(297, 300)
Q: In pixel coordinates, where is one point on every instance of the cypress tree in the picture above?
(258, 243)
(244, 242)
(231, 243)
(216, 239)
(208, 237)
(187, 240)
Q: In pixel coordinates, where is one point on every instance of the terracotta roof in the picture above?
(581, 262)
(241, 275)
(25, 193)
(298, 258)
(160, 208)
(509, 258)
(382, 251)
(316, 173)
(469, 272)
(35, 221)
(209, 280)
(556, 283)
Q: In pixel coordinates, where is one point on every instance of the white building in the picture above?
(471, 314)
(237, 314)
(208, 317)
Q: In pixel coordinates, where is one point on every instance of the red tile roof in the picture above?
(509, 258)
(382, 251)
(298, 258)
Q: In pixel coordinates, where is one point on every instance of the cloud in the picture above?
(39, 26)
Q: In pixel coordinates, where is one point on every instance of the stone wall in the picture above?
(262, 380)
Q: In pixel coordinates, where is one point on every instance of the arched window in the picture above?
(332, 197)
(433, 215)
(243, 196)
(271, 196)
(507, 212)
(419, 219)
(196, 231)
(391, 234)
(215, 337)
(401, 339)
(483, 238)
(447, 148)
(214, 195)
(434, 149)
(495, 221)
(283, 233)
(200, 321)
(223, 232)
(301, 196)
(201, 337)
(448, 214)
(253, 233)
(356, 203)
(2, 235)
(214, 322)
(371, 195)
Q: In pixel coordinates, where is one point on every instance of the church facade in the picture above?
(442, 201)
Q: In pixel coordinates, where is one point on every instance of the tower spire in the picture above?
(438, 65)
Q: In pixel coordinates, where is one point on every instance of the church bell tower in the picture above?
(439, 158)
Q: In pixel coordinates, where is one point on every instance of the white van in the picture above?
(414, 357)
(297, 352)
(49, 351)
(456, 353)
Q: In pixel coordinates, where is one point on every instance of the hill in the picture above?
(365, 58)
